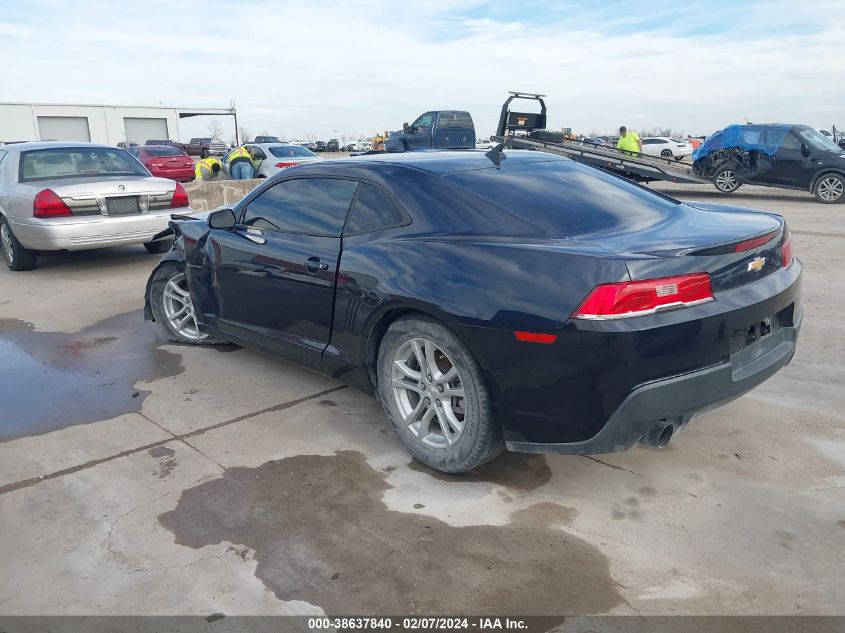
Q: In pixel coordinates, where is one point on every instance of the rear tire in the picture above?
(158, 247)
(444, 416)
(830, 189)
(171, 303)
(17, 257)
(666, 153)
(725, 178)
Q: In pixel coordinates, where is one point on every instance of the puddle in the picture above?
(321, 533)
(521, 471)
(55, 380)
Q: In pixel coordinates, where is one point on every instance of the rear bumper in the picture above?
(80, 233)
(679, 399)
(182, 174)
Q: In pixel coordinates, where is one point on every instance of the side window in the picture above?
(649, 141)
(258, 153)
(373, 210)
(424, 120)
(790, 142)
(307, 206)
(2, 161)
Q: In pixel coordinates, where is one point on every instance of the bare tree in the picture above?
(244, 134)
(214, 130)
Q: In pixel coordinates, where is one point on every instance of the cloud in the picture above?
(357, 67)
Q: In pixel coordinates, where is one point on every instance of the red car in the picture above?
(165, 161)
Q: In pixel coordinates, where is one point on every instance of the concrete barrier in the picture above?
(205, 196)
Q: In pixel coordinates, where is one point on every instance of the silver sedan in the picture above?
(75, 196)
(274, 157)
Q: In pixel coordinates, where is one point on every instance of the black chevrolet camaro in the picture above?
(522, 301)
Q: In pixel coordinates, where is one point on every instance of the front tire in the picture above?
(172, 308)
(830, 189)
(666, 153)
(14, 254)
(435, 397)
(725, 179)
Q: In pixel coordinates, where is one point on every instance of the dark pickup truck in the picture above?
(438, 129)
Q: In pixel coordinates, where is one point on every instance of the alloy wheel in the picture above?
(726, 180)
(178, 309)
(6, 242)
(428, 392)
(831, 189)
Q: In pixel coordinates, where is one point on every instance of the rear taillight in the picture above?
(786, 255)
(180, 197)
(640, 298)
(48, 205)
(286, 165)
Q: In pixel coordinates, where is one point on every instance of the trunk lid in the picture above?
(735, 246)
(93, 196)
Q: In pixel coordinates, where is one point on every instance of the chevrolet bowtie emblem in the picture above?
(756, 264)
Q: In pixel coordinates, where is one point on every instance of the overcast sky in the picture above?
(353, 67)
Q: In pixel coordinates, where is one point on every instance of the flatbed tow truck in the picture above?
(519, 130)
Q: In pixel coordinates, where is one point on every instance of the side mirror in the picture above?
(222, 219)
(805, 150)
(406, 128)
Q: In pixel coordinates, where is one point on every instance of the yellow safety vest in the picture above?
(239, 152)
(207, 165)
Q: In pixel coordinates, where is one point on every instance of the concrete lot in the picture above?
(142, 477)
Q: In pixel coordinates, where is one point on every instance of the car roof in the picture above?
(29, 145)
(443, 162)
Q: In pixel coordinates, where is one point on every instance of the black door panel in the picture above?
(273, 276)
(272, 293)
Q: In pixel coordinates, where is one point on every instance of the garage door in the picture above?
(139, 130)
(63, 128)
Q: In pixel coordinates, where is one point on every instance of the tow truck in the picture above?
(527, 130)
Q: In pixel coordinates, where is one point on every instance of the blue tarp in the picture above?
(764, 138)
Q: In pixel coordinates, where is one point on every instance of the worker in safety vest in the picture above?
(629, 142)
(241, 166)
(208, 168)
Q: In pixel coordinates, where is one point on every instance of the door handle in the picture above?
(314, 265)
(253, 235)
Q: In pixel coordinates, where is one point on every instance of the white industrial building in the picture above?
(107, 124)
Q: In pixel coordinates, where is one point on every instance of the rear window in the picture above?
(561, 195)
(455, 120)
(162, 151)
(48, 164)
(291, 151)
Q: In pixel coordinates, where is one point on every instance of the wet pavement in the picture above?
(138, 476)
(59, 380)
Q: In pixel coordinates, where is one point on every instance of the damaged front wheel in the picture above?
(173, 309)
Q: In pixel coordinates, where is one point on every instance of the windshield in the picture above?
(162, 151)
(291, 151)
(48, 164)
(816, 140)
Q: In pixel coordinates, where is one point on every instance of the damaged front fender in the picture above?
(187, 231)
